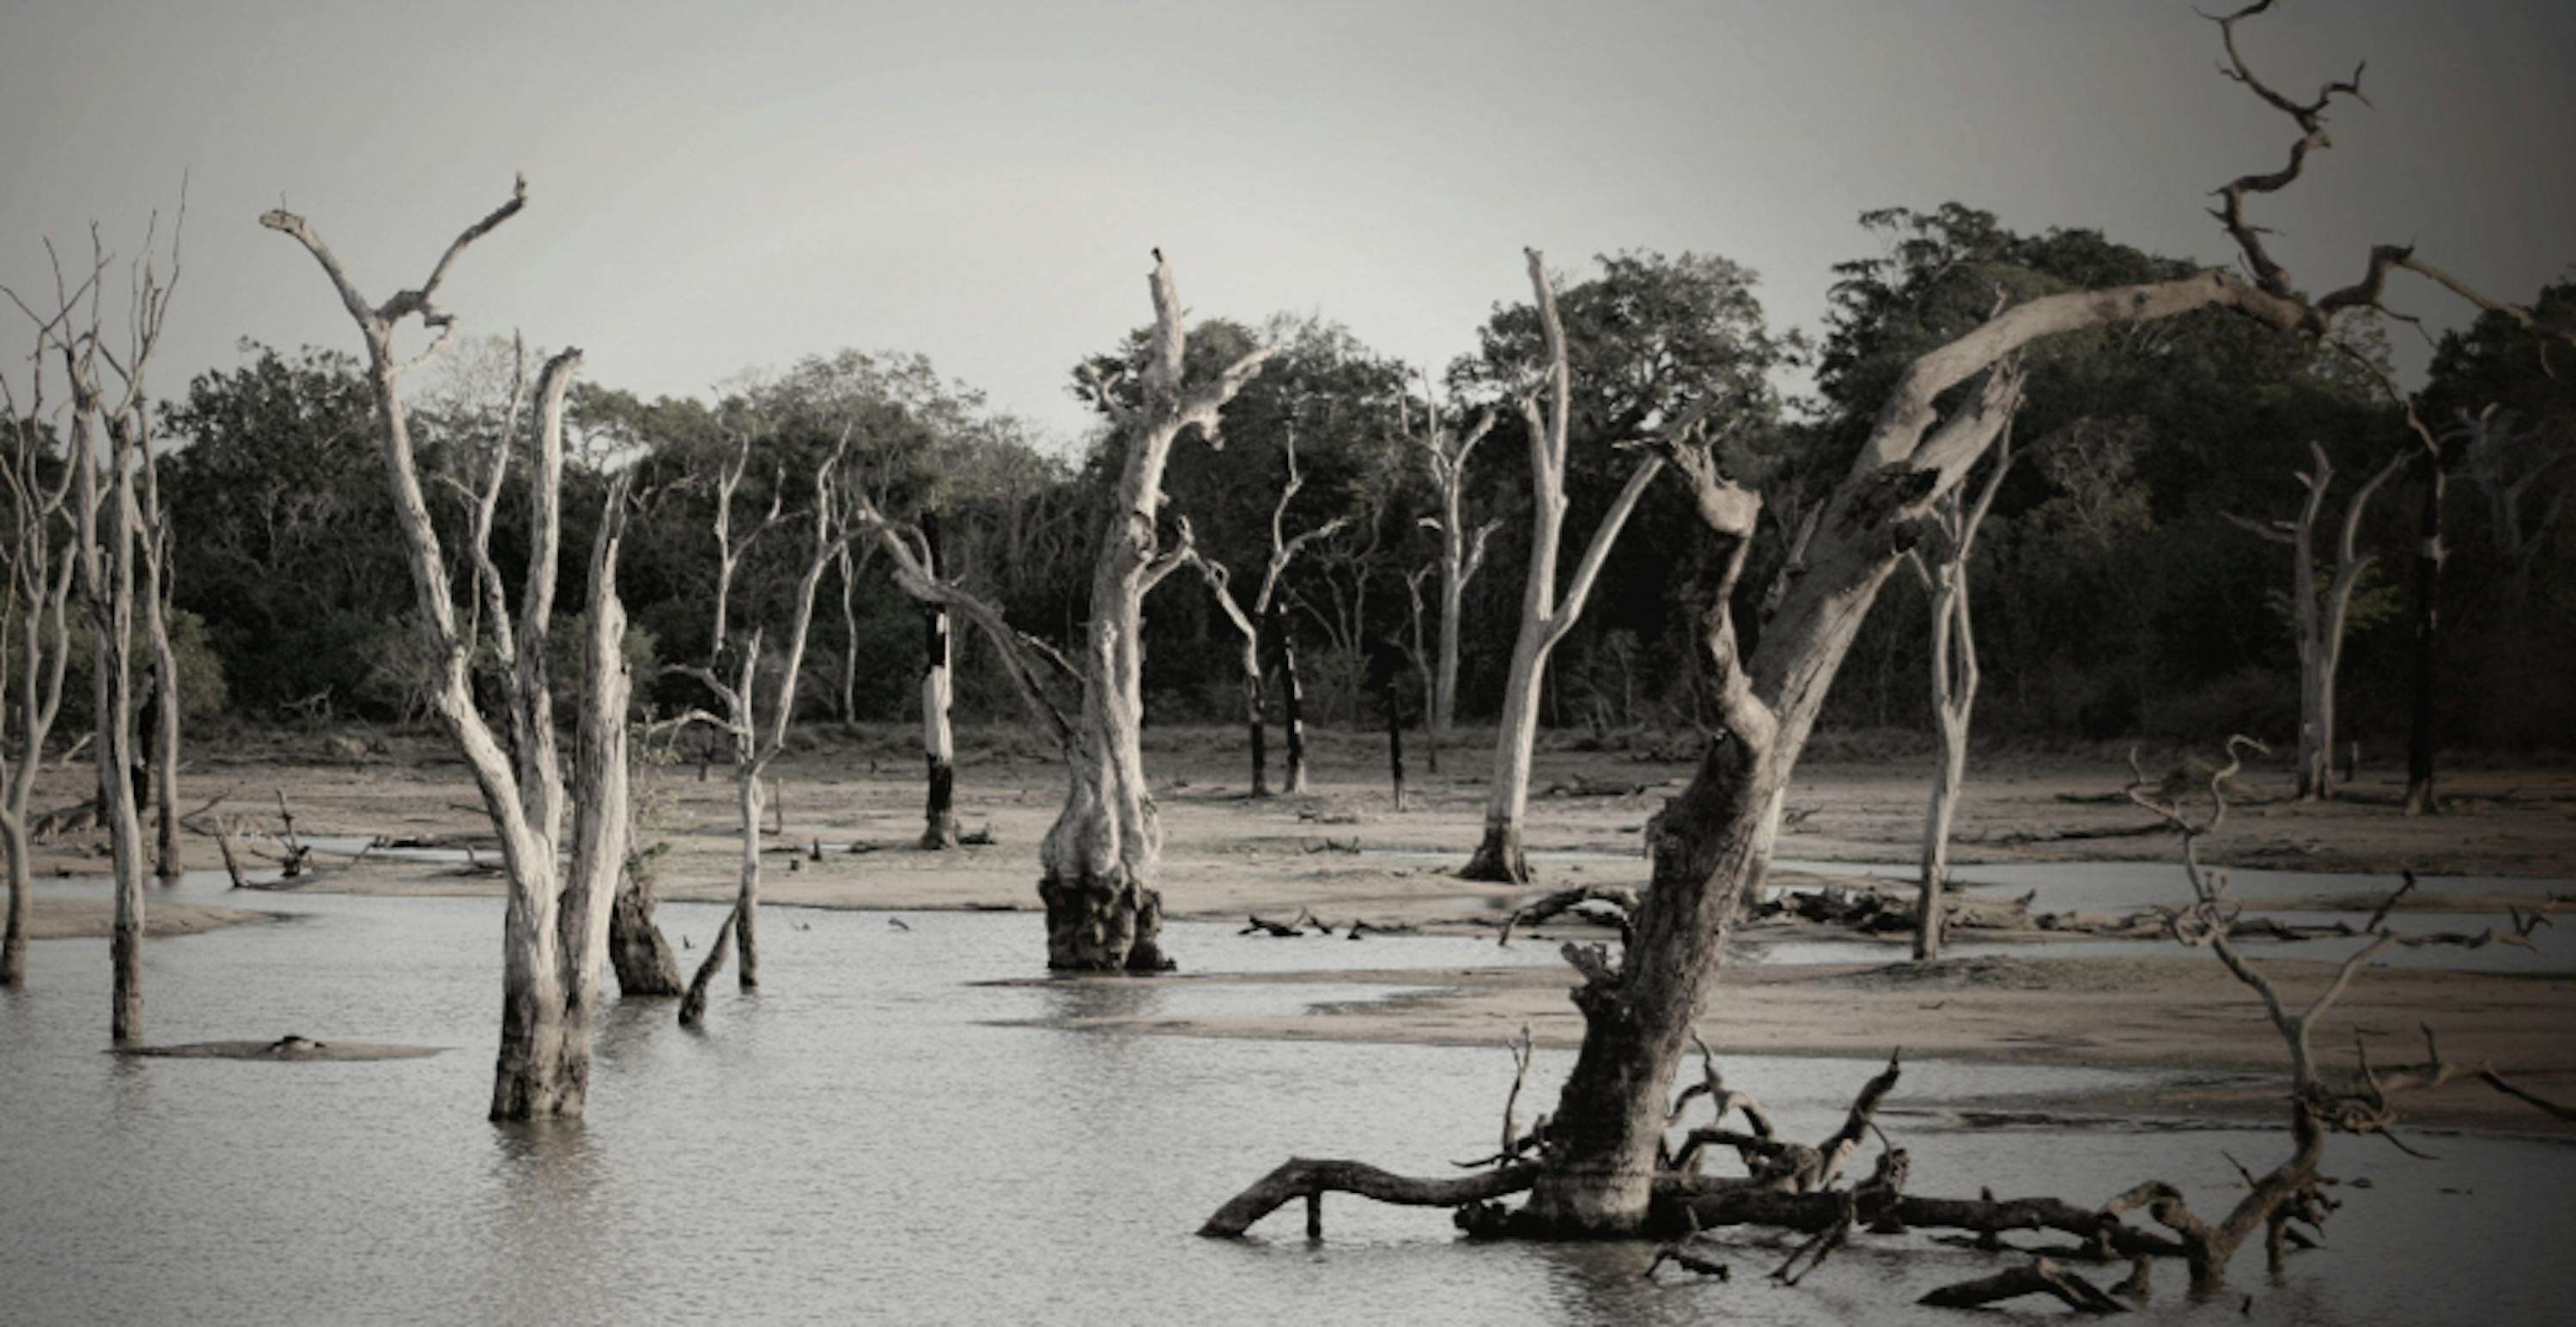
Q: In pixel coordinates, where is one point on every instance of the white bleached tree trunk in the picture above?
(555, 928)
(758, 735)
(35, 639)
(1943, 567)
(2318, 619)
(1097, 862)
(1462, 552)
(1545, 618)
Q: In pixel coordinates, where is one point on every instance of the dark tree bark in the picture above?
(2421, 797)
(645, 963)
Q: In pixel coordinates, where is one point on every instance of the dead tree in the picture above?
(555, 930)
(913, 559)
(2318, 617)
(938, 690)
(757, 735)
(1545, 618)
(35, 632)
(107, 529)
(2506, 457)
(1264, 625)
(1098, 860)
(1462, 552)
(1713, 842)
(1951, 543)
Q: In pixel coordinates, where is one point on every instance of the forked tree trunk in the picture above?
(1461, 554)
(1097, 862)
(1544, 619)
(1944, 571)
(36, 645)
(2318, 619)
(755, 746)
(556, 917)
(106, 559)
(1711, 845)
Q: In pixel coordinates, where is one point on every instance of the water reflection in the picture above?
(842, 1148)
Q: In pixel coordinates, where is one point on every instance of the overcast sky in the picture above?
(717, 186)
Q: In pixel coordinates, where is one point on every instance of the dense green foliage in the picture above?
(2112, 597)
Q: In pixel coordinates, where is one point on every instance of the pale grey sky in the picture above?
(716, 186)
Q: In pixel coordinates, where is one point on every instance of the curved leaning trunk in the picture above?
(1499, 857)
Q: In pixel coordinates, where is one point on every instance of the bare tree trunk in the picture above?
(35, 638)
(1544, 619)
(636, 947)
(556, 917)
(938, 747)
(1461, 553)
(2319, 619)
(106, 560)
(1292, 697)
(2421, 797)
(1392, 697)
(746, 902)
(1098, 860)
(1944, 572)
(1950, 709)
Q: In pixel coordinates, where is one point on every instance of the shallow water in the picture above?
(866, 1140)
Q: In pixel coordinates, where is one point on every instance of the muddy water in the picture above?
(866, 1140)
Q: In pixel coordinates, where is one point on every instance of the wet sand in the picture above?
(1342, 853)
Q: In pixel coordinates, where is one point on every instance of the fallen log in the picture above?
(2038, 1277)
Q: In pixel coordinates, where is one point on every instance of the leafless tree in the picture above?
(35, 633)
(757, 735)
(1713, 842)
(1941, 563)
(1546, 409)
(2318, 618)
(1462, 552)
(555, 931)
(1099, 859)
(1260, 626)
(108, 394)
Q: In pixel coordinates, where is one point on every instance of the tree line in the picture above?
(2115, 598)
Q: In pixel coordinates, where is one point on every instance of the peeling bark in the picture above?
(1097, 862)
(556, 915)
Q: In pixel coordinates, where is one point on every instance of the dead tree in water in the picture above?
(1264, 631)
(35, 633)
(555, 931)
(107, 528)
(1944, 573)
(1462, 553)
(1098, 860)
(2318, 618)
(1544, 617)
(742, 719)
(1713, 842)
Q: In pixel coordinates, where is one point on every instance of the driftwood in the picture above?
(2039, 1277)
